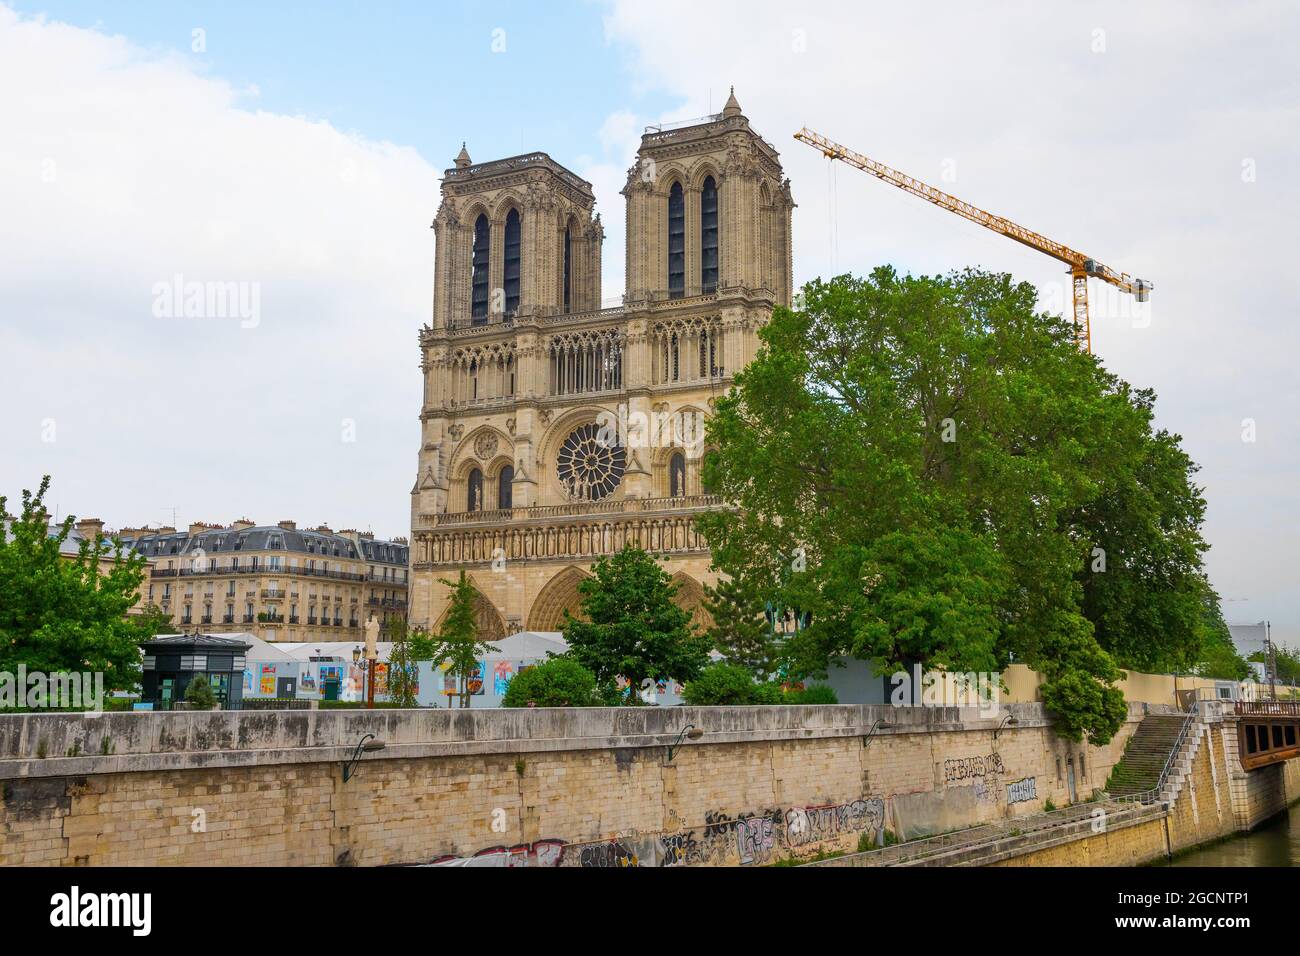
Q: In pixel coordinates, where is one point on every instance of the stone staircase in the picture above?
(1138, 771)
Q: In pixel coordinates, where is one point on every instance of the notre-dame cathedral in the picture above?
(527, 377)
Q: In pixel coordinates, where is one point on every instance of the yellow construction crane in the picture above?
(1080, 266)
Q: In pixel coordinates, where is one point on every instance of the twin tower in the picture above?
(527, 377)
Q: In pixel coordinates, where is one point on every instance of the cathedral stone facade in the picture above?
(555, 431)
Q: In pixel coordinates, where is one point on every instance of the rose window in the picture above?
(590, 465)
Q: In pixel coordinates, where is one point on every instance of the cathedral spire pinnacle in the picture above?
(462, 158)
(732, 108)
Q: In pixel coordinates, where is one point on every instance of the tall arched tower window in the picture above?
(676, 242)
(505, 494)
(512, 263)
(709, 236)
(568, 269)
(677, 476)
(474, 491)
(479, 278)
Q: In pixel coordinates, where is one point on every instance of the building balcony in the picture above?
(334, 575)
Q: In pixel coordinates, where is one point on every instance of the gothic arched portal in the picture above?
(690, 598)
(491, 626)
(559, 595)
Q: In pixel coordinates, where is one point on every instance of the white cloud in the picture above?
(122, 169)
(1133, 154)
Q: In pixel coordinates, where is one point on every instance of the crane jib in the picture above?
(1081, 267)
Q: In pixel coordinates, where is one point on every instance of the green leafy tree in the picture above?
(1286, 660)
(740, 632)
(62, 613)
(558, 682)
(198, 693)
(1218, 656)
(949, 468)
(410, 646)
(457, 644)
(633, 629)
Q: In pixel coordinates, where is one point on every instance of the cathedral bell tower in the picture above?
(555, 432)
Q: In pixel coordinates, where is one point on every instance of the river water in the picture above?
(1276, 843)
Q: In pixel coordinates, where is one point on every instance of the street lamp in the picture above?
(1010, 720)
(690, 730)
(880, 722)
(367, 744)
(367, 665)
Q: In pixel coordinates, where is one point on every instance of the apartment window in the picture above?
(709, 236)
(676, 242)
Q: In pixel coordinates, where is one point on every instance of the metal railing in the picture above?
(1153, 795)
(971, 837)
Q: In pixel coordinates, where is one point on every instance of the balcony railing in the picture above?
(221, 572)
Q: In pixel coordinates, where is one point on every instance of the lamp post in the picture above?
(367, 665)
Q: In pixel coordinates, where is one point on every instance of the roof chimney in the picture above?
(289, 525)
(90, 527)
(242, 524)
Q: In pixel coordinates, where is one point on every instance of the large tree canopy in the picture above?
(63, 612)
(936, 472)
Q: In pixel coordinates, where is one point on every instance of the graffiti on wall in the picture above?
(540, 853)
(747, 838)
(1022, 790)
(966, 768)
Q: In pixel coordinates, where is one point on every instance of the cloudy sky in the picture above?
(295, 153)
